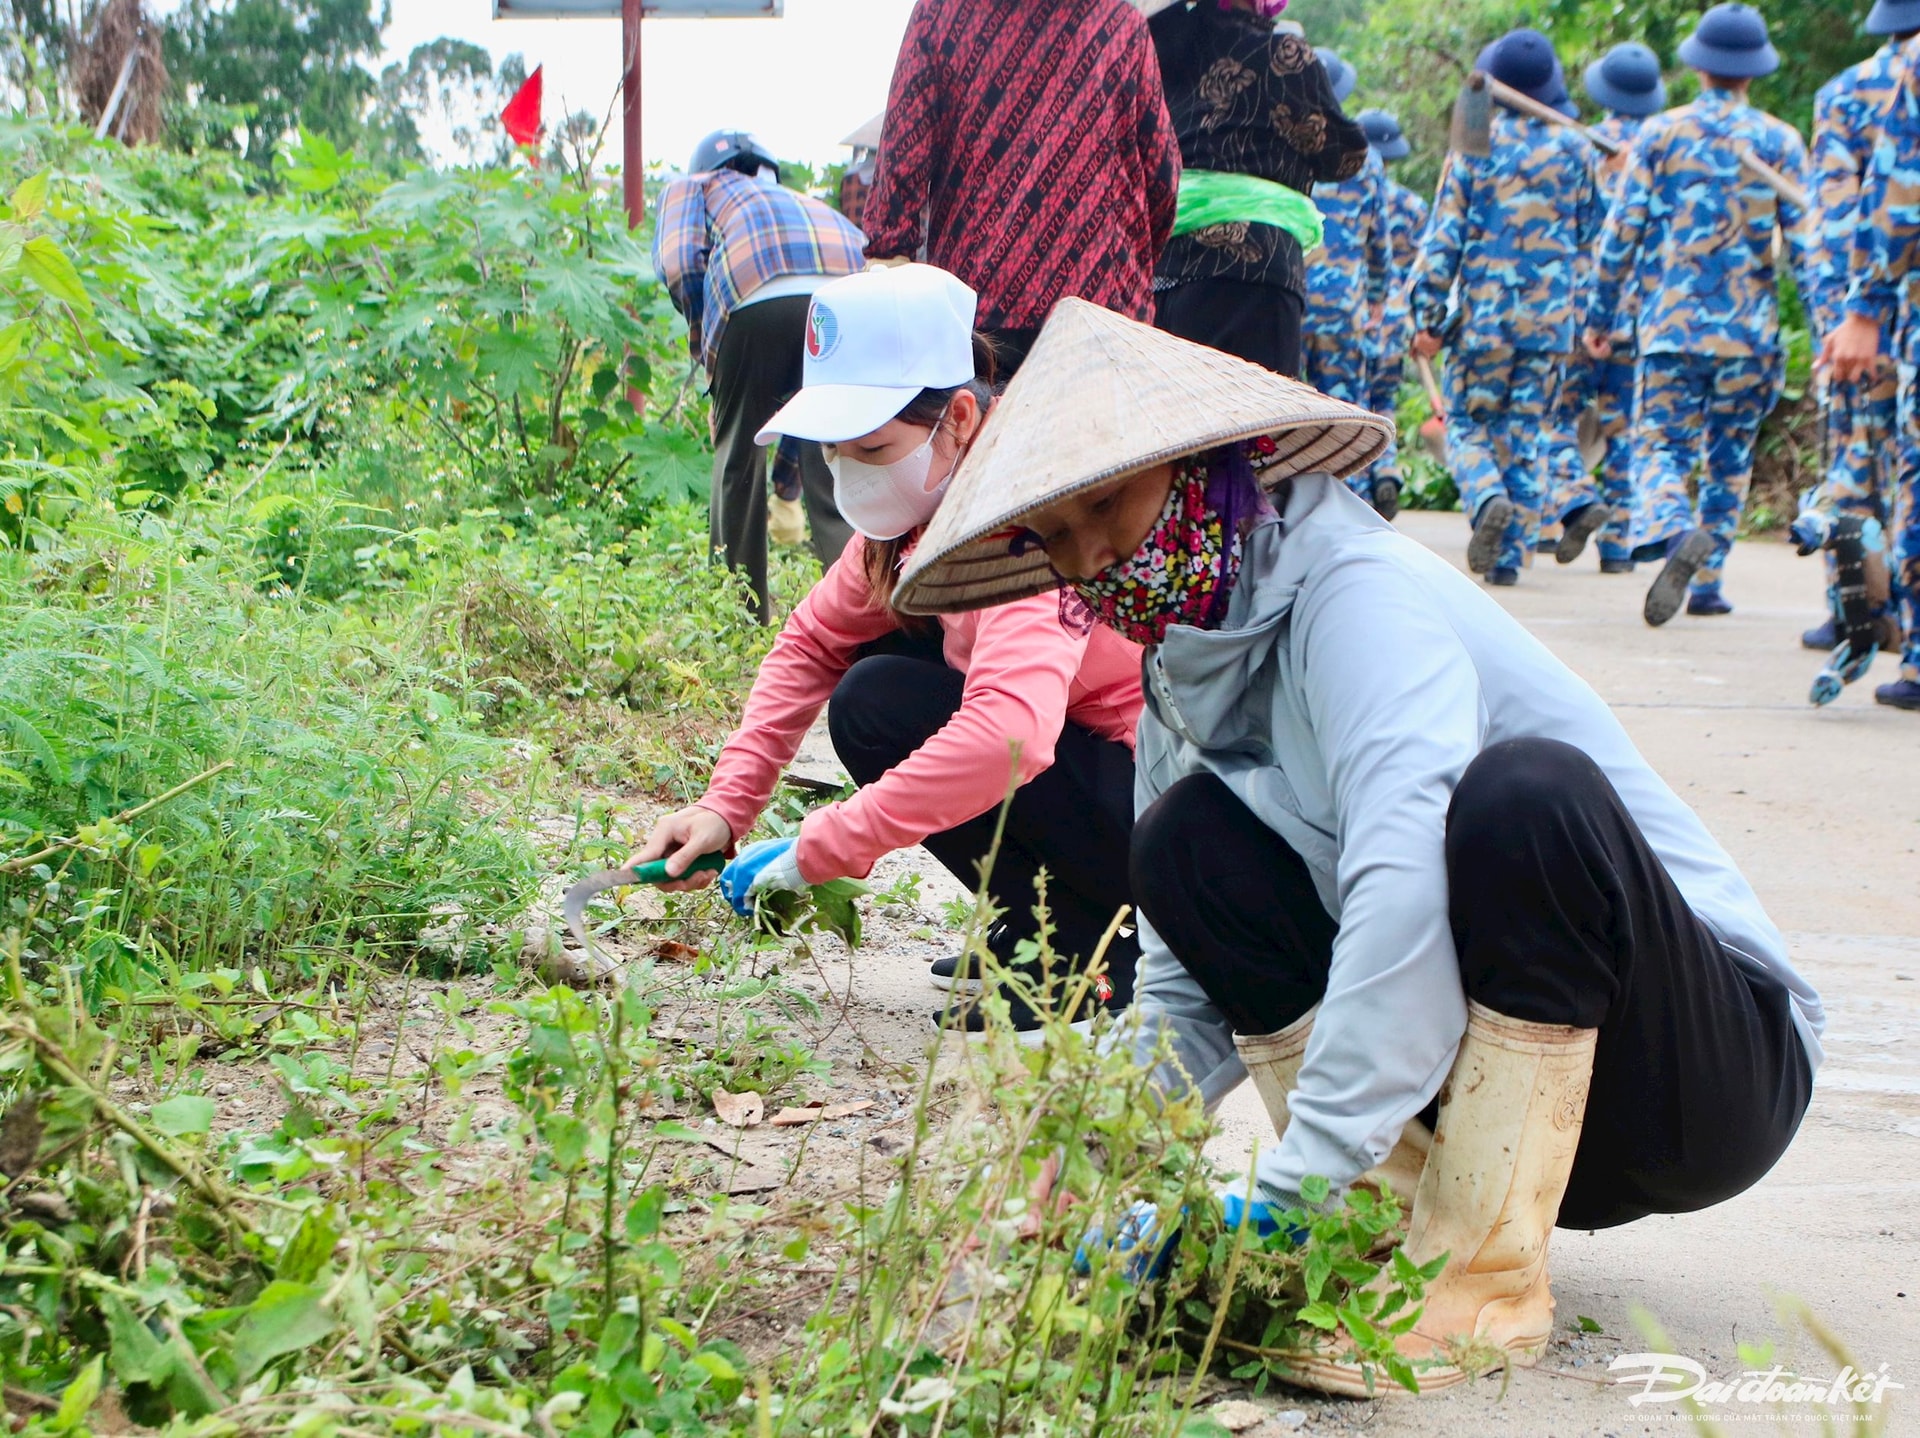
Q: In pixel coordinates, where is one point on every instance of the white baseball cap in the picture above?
(874, 341)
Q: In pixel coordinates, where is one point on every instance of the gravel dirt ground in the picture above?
(1822, 810)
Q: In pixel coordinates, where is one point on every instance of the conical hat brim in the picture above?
(1101, 396)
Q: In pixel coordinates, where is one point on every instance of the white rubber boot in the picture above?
(1510, 1117)
(1273, 1063)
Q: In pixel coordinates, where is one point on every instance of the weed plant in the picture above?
(577, 1266)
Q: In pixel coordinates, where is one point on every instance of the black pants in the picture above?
(1074, 819)
(1561, 914)
(1258, 322)
(757, 369)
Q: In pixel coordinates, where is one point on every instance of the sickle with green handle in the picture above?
(574, 906)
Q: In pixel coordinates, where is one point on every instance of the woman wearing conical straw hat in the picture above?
(1393, 860)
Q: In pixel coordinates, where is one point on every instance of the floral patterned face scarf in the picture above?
(1184, 571)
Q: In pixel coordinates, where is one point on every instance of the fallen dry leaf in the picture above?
(739, 1110)
(673, 951)
(813, 1113)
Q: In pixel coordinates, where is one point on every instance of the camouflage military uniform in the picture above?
(1885, 268)
(1505, 238)
(1406, 221)
(1611, 380)
(1861, 417)
(1692, 233)
(1344, 282)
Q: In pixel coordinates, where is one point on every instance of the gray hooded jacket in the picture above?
(1354, 679)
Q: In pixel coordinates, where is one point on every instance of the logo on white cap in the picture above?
(823, 332)
(873, 341)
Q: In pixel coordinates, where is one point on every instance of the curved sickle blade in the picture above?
(574, 906)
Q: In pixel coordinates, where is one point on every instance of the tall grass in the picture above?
(361, 802)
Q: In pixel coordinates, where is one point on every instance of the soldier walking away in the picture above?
(1506, 237)
(740, 257)
(1886, 257)
(1028, 150)
(1406, 223)
(1569, 482)
(1692, 236)
(1258, 126)
(1861, 415)
(1347, 297)
(1625, 82)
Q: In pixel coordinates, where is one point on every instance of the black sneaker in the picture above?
(1668, 592)
(1581, 526)
(1616, 566)
(960, 973)
(945, 974)
(1489, 533)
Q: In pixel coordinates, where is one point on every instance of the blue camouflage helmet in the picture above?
(1626, 80)
(1730, 43)
(1383, 133)
(1523, 60)
(1894, 17)
(1343, 75)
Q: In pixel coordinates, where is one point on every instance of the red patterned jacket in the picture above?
(1028, 149)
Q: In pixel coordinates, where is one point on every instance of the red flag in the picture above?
(522, 115)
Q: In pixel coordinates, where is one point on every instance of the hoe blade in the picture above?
(1472, 130)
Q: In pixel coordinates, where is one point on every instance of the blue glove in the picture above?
(1259, 1217)
(768, 864)
(1146, 1251)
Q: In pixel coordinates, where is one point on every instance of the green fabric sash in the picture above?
(1209, 197)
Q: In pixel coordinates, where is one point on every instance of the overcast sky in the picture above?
(800, 83)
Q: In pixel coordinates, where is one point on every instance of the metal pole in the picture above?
(632, 167)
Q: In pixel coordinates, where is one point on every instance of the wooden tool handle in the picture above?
(1780, 184)
(1431, 385)
(1527, 105)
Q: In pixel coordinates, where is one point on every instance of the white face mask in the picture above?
(885, 501)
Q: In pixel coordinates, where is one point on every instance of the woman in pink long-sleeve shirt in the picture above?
(932, 723)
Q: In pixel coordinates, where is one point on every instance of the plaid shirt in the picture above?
(720, 236)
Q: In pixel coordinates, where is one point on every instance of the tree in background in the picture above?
(281, 65)
(444, 105)
(34, 41)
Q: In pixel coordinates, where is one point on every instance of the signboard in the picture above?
(652, 9)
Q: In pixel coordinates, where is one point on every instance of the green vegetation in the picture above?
(352, 585)
(353, 590)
